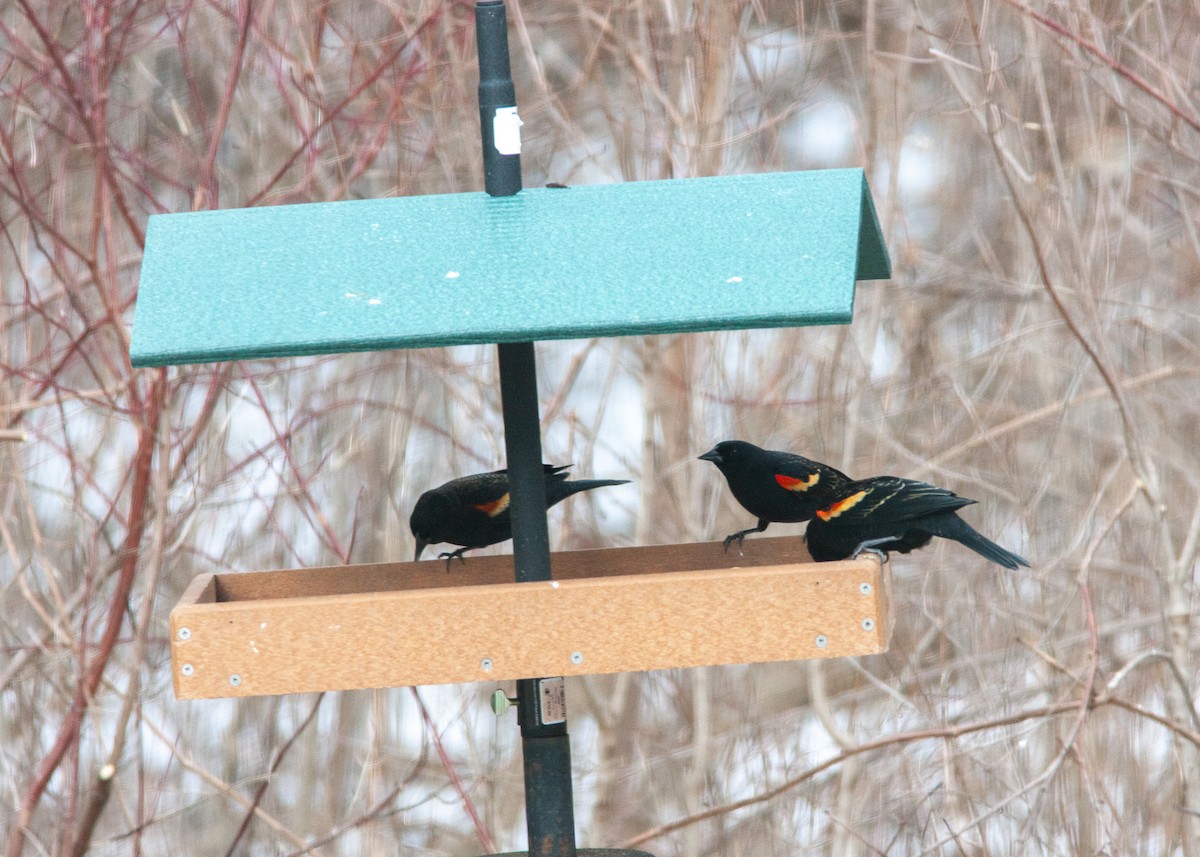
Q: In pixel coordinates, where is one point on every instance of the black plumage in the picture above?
(888, 513)
(774, 486)
(472, 511)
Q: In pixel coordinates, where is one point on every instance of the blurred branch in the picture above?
(1179, 729)
(1054, 408)
(152, 564)
(150, 412)
(485, 838)
(206, 194)
(1108, 60)
(228, 790)
(1067, 748)
(1137, 452)
(90, 116)
(284, 445)
(945, 733)
(1175, 578)
(265, 781)
(331, 112)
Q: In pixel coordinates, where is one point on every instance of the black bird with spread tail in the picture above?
(774, 486)
(888, 513)
(472, 511)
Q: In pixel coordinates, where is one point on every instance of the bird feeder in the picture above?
(767, 250)
(513, 266)
(605, 611)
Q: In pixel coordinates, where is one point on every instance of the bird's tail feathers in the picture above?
(954, 527)
(559, 491)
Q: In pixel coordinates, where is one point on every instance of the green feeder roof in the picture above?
(766, 250)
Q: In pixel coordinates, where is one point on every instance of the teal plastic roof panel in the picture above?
(766, 250)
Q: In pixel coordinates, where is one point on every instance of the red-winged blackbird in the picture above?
(472, 511)
(887, 513)
(775, 487)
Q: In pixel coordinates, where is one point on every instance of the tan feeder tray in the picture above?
(606, 611)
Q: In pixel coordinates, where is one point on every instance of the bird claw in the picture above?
(450, 556)
(740, 538)
(870, 547)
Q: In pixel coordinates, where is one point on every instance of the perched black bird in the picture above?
(887, 513)
(775, 487)
(473, 511)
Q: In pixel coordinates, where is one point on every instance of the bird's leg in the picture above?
(871, 546)
(740, 535)
(450, 556)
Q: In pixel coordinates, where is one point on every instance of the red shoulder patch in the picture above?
(791, 483)
(841, 506)
(495, 507)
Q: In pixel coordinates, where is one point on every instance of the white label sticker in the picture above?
(506, 131)
(553, 696)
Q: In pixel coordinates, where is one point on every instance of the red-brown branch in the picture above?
(1098, 52)
(485, 838)
(68, 735)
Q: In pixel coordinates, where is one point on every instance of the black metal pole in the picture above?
(549, 806)
(523, 446)
(498, 123)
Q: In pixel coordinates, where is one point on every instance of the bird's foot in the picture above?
(739, 537)
(450, 556)
(871, 546)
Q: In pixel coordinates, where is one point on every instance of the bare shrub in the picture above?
(1035, 170)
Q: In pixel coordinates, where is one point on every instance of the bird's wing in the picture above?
(486, 492)
(796, 473)
(489, 491)
(890, 498)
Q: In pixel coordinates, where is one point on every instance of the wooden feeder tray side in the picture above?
(615, 610)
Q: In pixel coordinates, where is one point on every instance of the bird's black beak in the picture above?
(421, 545)
(712, 455)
